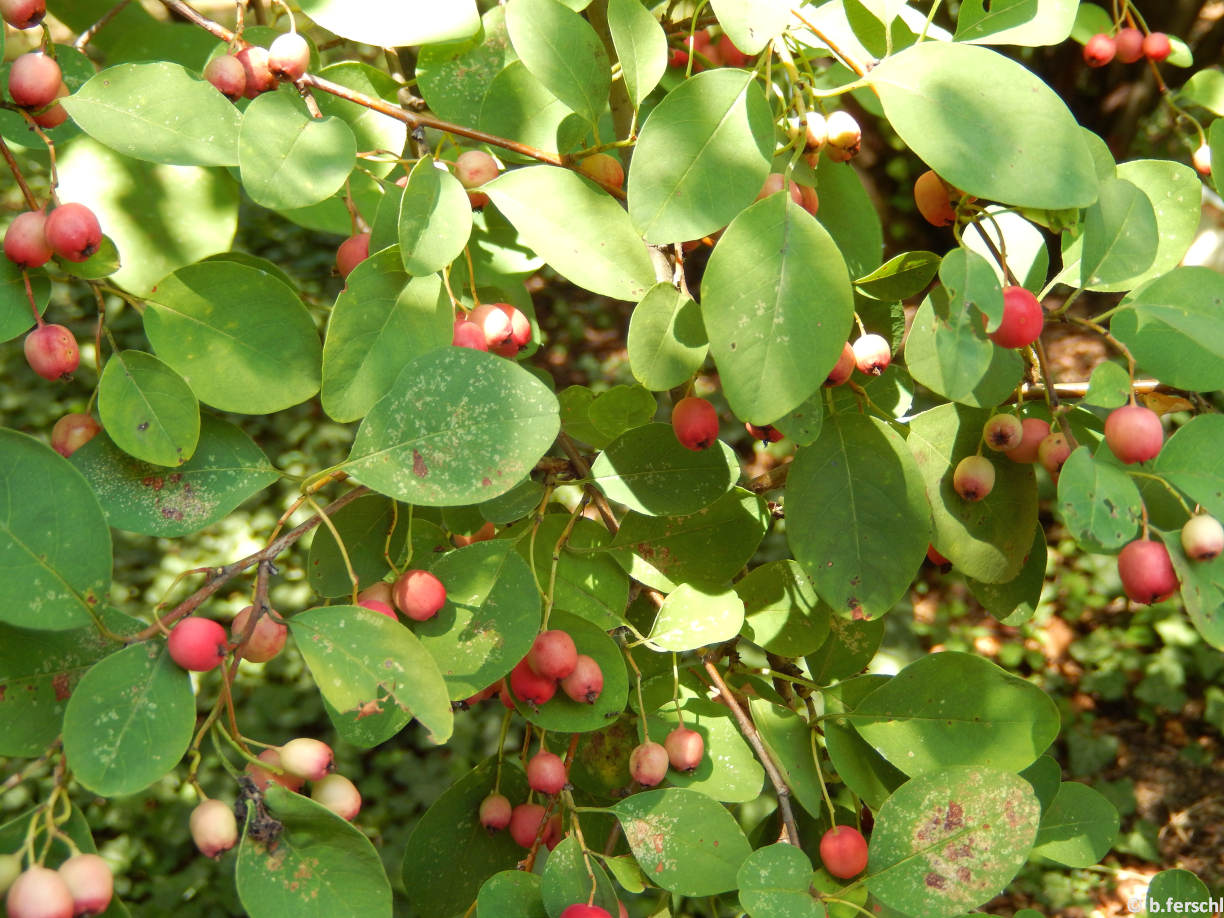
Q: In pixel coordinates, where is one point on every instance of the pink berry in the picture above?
(1099, 50)
(288, 56)
(553, 654)
(585, 683)
(1128, 44)
(90, 881)
(872, 354)
(338, 794)
(73, 431)
(766, 434)
(483, 534)
(23, 14)
(495, 812)
(1023, 319)
(648, 764)
(259, 78)
(843, 850)
(39, 893)
(475, 167)
(493, 322)
(1033, 431)
(1156, 47)
(1202, 537)
(213, 828)
(1146, 571)
(520, 331)
(685, 748)
(1003, 432)
(844, 134)
(695, 423)
(265, 642)
(526, 819)
(375, 605)
(1134, 433)
(974, 477)
(1053, 453)
(774, 183)
(34, 80)
(530, 688)
(197, 644)
(227, 76)
(352, 252)
(55, 115)
(844, 367)
(418, 594)
(546, 773)
(468, 334)
(262, 776)
(1201, 160)
(307, 758)
(73, 232)
(25, 240)
(604, 168)
(585, 911)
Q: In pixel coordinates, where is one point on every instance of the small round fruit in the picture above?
(774, 182)
(483, 534)
(731, 55)
(553, 654)
(1099, 50)
(418, 594)
(844, 133)
(23, 14)
(1201, 160)
(213, 827)
(39, 893)
(648, 764)
(52, 352)
(1053, 452)
(379, 589)
(259, 78)
(25, 240)
(974, 477)
(583, 910)
(1034, 430)
(816, 131)
(1003, 432)
(73, 232)
(34, 80)
(546, 773)
(469, 334)
(695, 423)
(475, 167)
(1128, 44)
(1134, 433)
(526, 820)
(809, 199)
(307, 758)
(288, 56)
(493, 321)
(766, 434)
(261, 776)
(1023, 319)
(936, 558)
(90, 881)
(604, 168)
(227, 76)
(685, 748)
(198, 644)
(520, 331)
(1146, 571)
(1156, 46)
(844, 367)
(54, 115)
(585, 683)
(338, 794)
(375, 605)
(934, 202)
(266, 641)
(530, 688)
(843, 850)
(495, 812)
(352, 252)
(872, 355)
(1202, 537)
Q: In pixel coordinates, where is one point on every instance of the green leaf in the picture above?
(857, 516)
(1100, 505)
(147, 409)
(1078, 828)
(1027, 23)
(1174, 328)
(1109, 386)
(55, 548)
(641, 47)
(693, 616)
(578, 229)
(647, 470)
(336, 871)
(373, 671)
(1015, 601)
(953, 358)
(864, 770)
(970, 284)
(435, 219)
(226, 468)
(621, 408)
(455, 75)
(382, 318)
(518, 106)
(1205, 88)
(788, 738)
(158, 112)
(775, 882)
(729, 771)
(775, 268)
(699, 861)
(569, 875)
(701, 157)
(1180, 886)
(409, 22)
(850, 646)
(1027, 254)
(241, 339)
(667, 340)
(562, 50)
(1120, 236)
(948, 841)
(588, 584)
(373, 130)
(511, 892)
(457, 427)
(1005, 135)
(782, 612)
(15, 315)
(901, 277)
(289, 159)
(369, 528)
(1202, 589)
(988, 539)
(957, 709)
(1090, 19)
(847, 212)
(1192, 460)
(752, 23)
(1045, 776)
(129, 721)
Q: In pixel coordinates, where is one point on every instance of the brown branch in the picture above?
(584, 470)
(31, 201)
(85, 37)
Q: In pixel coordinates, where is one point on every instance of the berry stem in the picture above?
(25, 277)
(87, 36)
(31, 201)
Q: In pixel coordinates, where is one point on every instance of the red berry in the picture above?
(936, 558)
(495, 812)
(774, 183)
(39, 893)
(1146, 571)
(73, 431)
(1003, 432)
(307, 758)
(261, 776)
(1033, 431)
(1023, 319)
(546, 773)
(483, 534)
(469, 334)
(54, 115)
(604, 168)
(520, 331)
(25, 240)
(526, 819)
(379, 589)
(34, 80)
(530, 688)
(1201, 160)
(259, 78)
(685, 748)
(288, 56)
(197, 644)
(872, 354)
(352, 252)
(227, 76)
(213, 828)
(375, 605)
(695, 423)
(338, 794)
(1129, 45)
(493, 321)
(843, 368)
(974, 477)
(1099, 50)
(1202, 537)
(1053, 453)
(1134, 433)
(475, 167)
(586, 681)
(52, 352)
(418, 594)
(1156, 46)
(266, 640)
(553, 654)
(934, 202)
(90, 881)
(73, 232)
(23, 14)
(731, 55)
(648, 764)
(585, 911)
(766, 434)
(843, 851)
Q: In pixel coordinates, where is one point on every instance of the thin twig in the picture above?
(584, 470)
(31, 201)
(87, 36)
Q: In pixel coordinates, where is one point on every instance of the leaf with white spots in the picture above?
(775, 882)
(129, 721)
(693, 616)
(373, 672)
(458, 426)
(55, 547)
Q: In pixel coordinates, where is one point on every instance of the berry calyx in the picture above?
(530, 688)
(23, 14)
(418, 594)
(843, 850)
(933, 200)
(695, 423)
(604, 168)
(259, 78)
(1156, 46)
(685, 748)
(73, 232)
(1003, 432)
(25, 240)
(546, 773)
(1023, 319)
(844, 367)
(1053, 452)
(648, 764)
(307, 758)
(90, 881)
(495, 812)
(261, 776)
(352, 252)
(288, 56)
(585, 911)
(1128, 45)
(39, 893)
(227, 76)
(974, 477)
(1134, 433)
(213, 828)
(1146, 571)
(1033, 431)
(197, 644)
(1099, 50)
(872, 355)
(585, 682)
(338, 794)
(553, 654)
(265, 642)
(34, 80)
(1202, 537)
